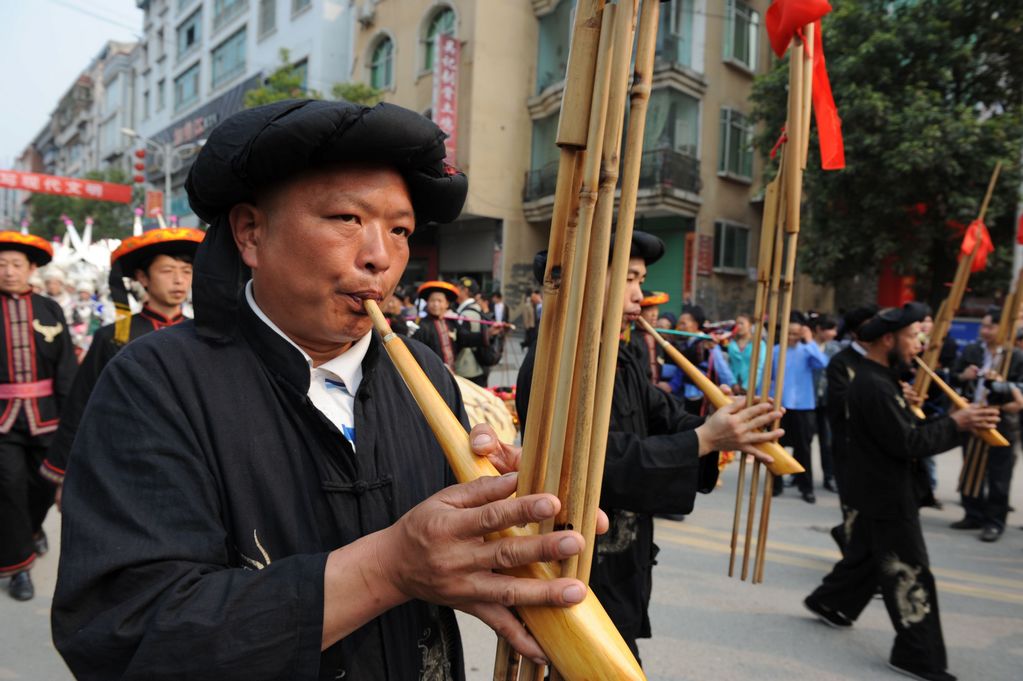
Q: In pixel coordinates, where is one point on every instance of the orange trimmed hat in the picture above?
(38, 249)
(135, 250)
(444, 287)
(651, 298)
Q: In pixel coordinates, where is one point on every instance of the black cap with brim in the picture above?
(892, 319)
(855, 318)
(262, 148)
(644, 245)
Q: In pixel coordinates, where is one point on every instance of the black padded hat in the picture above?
(644, 245)
(261, 148)
(891, 319)
(855, 318)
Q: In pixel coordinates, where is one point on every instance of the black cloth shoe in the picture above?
(829, 484)
(915, 672)
(990, 534)
(809, 498)
(830, 617)
(42, 545)
(21, 588)
(965, 524)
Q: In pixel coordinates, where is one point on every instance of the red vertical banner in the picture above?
(689, 267)
(445, 91)
(154, 203)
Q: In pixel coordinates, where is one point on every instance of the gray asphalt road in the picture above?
(707, 626)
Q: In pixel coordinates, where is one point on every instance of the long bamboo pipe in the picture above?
(989, 435)
(581, 641)
(783, 464)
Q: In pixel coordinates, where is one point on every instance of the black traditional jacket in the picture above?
(36, 348)
(101, 351)
(840, 372)
(653, 466)
(197, 528)
(886, 438)
(441, 336)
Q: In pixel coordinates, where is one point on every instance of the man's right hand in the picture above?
(976, 417)
(436, 553)
(736, 427)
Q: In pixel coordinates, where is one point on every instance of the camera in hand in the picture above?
(1000, 392)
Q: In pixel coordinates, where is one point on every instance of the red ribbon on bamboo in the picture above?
(785, 20)
(977, 230)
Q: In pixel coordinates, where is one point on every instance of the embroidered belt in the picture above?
(26, 391)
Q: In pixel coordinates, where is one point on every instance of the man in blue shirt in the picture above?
(740, 354)
(801, 359)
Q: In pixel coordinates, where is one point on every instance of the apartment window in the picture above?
(159, 51)
(742, 24)
(226, 10)
(302, 71)
(189, 34)
(731, 247)
(736, 157)
(381, 65)
(109, 137)
(553, 44)
(672, 122)
(145, 105)
(267, 16)
(161, 98)
(299, 5)
(229, 58)
(186, 87)
(112, 96)
(675, 40)
(442, 23)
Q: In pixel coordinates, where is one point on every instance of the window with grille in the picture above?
(736, 147)
(731, 247)
(442, 23)
(228, 59)
(267, 16)
(742, 26)
(189, 34)
(186, 87)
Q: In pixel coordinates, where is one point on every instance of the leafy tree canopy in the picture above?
(931, 97)
(112, 220)
(288, 82)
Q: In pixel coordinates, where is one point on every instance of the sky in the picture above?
(45, 45)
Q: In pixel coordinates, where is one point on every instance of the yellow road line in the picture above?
(774, 556)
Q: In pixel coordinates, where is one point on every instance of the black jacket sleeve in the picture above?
(895, 430)
(146, 586)
(67, 365)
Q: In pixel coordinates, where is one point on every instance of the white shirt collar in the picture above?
(347, 366)
(859, 348)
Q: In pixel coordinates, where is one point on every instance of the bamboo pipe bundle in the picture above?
(943, 321)
(581, 640)
(971, 477)
(783, 464)
(991, 436)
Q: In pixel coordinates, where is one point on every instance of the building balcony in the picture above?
(669, 182)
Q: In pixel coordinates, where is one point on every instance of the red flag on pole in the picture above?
(785, 19)
(977, 230)
(1019, 231)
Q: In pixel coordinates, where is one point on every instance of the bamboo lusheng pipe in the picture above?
(580, 640)
(646, 44)
(971, 478)
(797, 129)
(578, 502)
(988, 435)
(943, 322)
(783, 464)
(807, 94)
(573, 125)
(556, 475)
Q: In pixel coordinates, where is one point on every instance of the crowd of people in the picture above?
(256, 494)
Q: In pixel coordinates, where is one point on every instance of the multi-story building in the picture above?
(197, 59)
(83, 132)
(700, 185)
(396, 50)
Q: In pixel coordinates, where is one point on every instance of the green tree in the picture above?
(357, 93)
(931, 97)
(287, 82)
(110, 219)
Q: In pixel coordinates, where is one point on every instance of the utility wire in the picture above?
(97, 16)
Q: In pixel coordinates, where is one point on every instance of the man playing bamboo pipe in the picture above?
(980, 362)
(886, 547)
(236, 532)
(658, 458)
